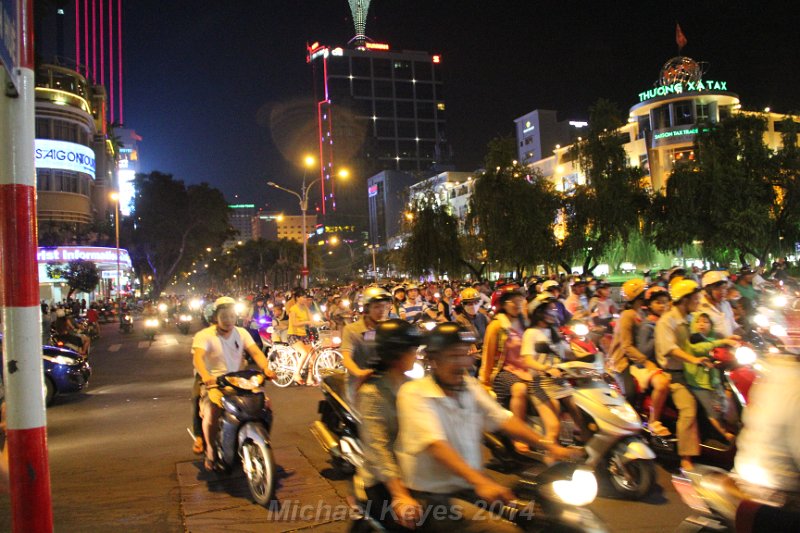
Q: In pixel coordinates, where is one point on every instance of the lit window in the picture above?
(440, 106)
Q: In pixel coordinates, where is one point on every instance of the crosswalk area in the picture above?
(161, 341)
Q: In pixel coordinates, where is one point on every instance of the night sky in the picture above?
(205, 80)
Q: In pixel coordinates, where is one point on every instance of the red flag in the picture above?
(680, 38)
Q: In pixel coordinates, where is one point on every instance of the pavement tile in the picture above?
(304, 500)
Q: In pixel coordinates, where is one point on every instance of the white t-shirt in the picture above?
(532, 336)
(223, 355)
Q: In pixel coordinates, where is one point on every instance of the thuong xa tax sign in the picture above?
(62, 155)
(680, 88)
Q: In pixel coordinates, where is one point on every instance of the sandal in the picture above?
(199, 446)
(659, 429)
(209, 465)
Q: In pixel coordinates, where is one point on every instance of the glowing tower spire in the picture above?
(359, 9)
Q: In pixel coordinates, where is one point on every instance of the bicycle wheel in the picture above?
(327, 359)
(283, 361)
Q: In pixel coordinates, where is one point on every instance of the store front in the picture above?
(55, 289)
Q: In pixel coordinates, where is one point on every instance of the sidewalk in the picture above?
(304, 500)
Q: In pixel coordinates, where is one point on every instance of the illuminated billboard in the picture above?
(127, 190)
(62, 155)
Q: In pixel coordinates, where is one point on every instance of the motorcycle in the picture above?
(551, 498)
(126, 323)
(151, 325)
(184, 322)
(243, 437)
(719, 504)
(614, 448)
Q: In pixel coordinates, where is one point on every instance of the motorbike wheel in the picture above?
(49, 392)
(327, 359)
(641, 475)
(260, 473)
(283, 361)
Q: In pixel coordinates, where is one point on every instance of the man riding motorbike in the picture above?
(442, 419)
(472, 319)
(358, 338)
(216, 351)
(715, 304)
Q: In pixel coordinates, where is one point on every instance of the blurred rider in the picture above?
(358, 338)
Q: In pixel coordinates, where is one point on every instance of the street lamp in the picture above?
(115, 198)
(374, 247)
(302, 196)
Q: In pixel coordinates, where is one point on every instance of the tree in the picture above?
(737, 197)
(80, 275)
(433, 243)
(610, 202)
(173, 224)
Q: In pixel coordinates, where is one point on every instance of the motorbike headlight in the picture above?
(151, 323)
(162, 307)
(126, 318)
(323, 308)
(195, 304)
(745, 355)
(761, 321)
(779, 301)
(579, 491)
(239, 308)
(317, 317)
(429, 325)
(59, 359)
(777, 330)
(416, 372)
(270, 329)
(625, 412)
(337, 340)
(262, 320)
(186, 318)
(270, 305)
(346, 302)
(581, 330)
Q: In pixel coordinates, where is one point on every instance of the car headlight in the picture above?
(780, 301)
(416, 372)
(581, 330)
(761, 321)
(778, 330)
(151, 323)
(745, 355)
(59, 359)
(625, 412)
(579, 491)
(162, 307)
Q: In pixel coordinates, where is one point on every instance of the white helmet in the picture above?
(713, 277)
(549, 284)
(223, 300)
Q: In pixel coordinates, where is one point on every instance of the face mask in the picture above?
(473, 308)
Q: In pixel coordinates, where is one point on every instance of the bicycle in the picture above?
(285, 359)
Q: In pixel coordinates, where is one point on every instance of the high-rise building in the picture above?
(378, 109)
(241, 218)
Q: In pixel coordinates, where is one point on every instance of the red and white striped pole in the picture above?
(31, 508)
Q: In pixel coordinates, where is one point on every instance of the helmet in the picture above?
(376, 294)
(469, 294)
(412, 287)
(683, 288)
(507, 292)
(549, 284)
(654, 292)
(712, 277)
(541, 300)
(633, 289)
(392, 338)
(398, 289)
(448, 334)
(223, 300)
(675, 272)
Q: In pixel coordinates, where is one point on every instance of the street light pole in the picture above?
(115, 197)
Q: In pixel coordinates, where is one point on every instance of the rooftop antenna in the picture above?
(359, 9)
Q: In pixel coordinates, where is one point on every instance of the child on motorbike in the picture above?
(706, 383)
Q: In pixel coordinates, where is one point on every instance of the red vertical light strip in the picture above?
(111, 60)
(78, 35)
(321, 150)
(321, 164)
(85, 37)
(94, 41)
(119, 56)
(102, 45)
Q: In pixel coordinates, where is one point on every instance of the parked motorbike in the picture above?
(719, 504)
(615, 447)
(551, 498)
(151, 325)
(243, 437)
(184, 322)
(126, 323)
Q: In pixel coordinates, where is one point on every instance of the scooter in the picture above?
(184, 322)
(244, 432)
(719, 504)
(615, 447)
(151, 325)
(551, 498)
(126, 323)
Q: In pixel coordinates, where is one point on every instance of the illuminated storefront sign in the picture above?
(242, 206)
(377, 46)
(677, 133)
(61, 155)
(679, 88)
(65, 254)
(373, 191)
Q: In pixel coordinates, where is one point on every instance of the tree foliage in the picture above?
(736, 196)
(80, 275)
(433, 243)
(173, 224)
(609, 204)
(513, 209)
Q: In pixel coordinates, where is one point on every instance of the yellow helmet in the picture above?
(469, 294)
(633, 288)
(683, 288)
